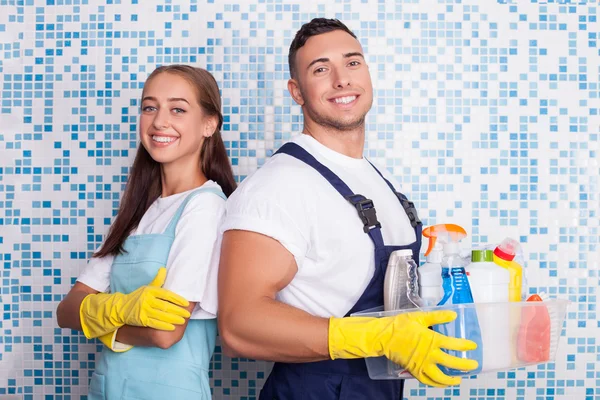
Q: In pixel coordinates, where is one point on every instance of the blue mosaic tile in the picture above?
(486, 112)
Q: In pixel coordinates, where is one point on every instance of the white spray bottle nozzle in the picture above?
(450, 241)
(446, 234)
(436, 254)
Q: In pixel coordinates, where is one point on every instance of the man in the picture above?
(297, 260)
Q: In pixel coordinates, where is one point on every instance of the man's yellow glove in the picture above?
(149, 306)
(406, 340)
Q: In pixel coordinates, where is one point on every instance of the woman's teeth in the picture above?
(164, 139)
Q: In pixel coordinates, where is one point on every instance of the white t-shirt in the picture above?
(193, 261)
(291, 202)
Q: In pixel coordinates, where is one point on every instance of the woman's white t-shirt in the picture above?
(193, 261)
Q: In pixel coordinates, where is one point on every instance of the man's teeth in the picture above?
(345, 100)
(163, 139)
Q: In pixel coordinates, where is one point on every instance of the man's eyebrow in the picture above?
(346, 55)
(313, 62)
(354, 54)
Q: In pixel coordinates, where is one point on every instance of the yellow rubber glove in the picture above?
(406, 340)
(110, 341)
(149, 306)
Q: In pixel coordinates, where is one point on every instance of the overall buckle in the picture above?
(411, 211)
(366, 212)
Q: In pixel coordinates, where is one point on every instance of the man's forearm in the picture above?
(270, 330)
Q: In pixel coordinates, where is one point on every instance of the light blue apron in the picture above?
(147, 373)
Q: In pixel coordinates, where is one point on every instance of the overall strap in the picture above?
(364, 207)
(409, 206)
(173, 224)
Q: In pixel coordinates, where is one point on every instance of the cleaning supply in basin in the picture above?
(504, 255)
(400, 289)
(488, 281)
(457, 291)
(489, 284)
(535, 337)
(400, 285)
(430, 276)
(557, 310)
(455, 283)
(449, 234)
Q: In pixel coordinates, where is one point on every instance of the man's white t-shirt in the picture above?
(193, 261)
(291, 202)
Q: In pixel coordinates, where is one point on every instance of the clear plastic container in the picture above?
(531, 333)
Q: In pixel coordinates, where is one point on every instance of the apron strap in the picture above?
(173, 224)
(364, 207)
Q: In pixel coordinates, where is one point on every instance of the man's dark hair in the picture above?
(315, 27)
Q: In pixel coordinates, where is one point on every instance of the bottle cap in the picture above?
(482, 256)
(535, 297)
(403, 253)
(507, 249)
(498, 252)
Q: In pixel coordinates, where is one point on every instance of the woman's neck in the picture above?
(175, 179)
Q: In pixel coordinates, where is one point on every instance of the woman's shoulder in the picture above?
(208, 197)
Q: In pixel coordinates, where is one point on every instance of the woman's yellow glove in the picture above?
(110, 341)
(406, 340)
(149, 306)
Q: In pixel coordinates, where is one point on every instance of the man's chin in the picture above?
(348, 125)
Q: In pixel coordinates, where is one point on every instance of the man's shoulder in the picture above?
(281, 172)
(387, 174)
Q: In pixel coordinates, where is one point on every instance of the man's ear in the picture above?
(295, 92)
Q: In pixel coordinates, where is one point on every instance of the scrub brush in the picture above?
(555, 327)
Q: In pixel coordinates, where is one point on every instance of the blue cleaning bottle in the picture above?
(457, 291)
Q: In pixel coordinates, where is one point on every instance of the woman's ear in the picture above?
(295, 92)
(210, 126)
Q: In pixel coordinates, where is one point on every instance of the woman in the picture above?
(159, 342)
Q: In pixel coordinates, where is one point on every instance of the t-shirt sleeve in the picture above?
(96, 273)
(279, 216)
(195, 252)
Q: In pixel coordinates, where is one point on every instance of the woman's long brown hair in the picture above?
(144, 184)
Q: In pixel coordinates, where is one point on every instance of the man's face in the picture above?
(332, 82)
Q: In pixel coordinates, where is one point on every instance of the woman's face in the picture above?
(173, 126)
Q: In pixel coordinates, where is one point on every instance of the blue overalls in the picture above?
(344, 379)
(150, 373)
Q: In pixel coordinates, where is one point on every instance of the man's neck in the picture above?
(350, 143)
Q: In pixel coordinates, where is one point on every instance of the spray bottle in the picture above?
(449, 236)
(430, 276)
(456, 291)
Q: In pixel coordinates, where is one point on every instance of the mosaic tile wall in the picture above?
(486, 111)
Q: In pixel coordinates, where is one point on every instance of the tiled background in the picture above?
(487, 111)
